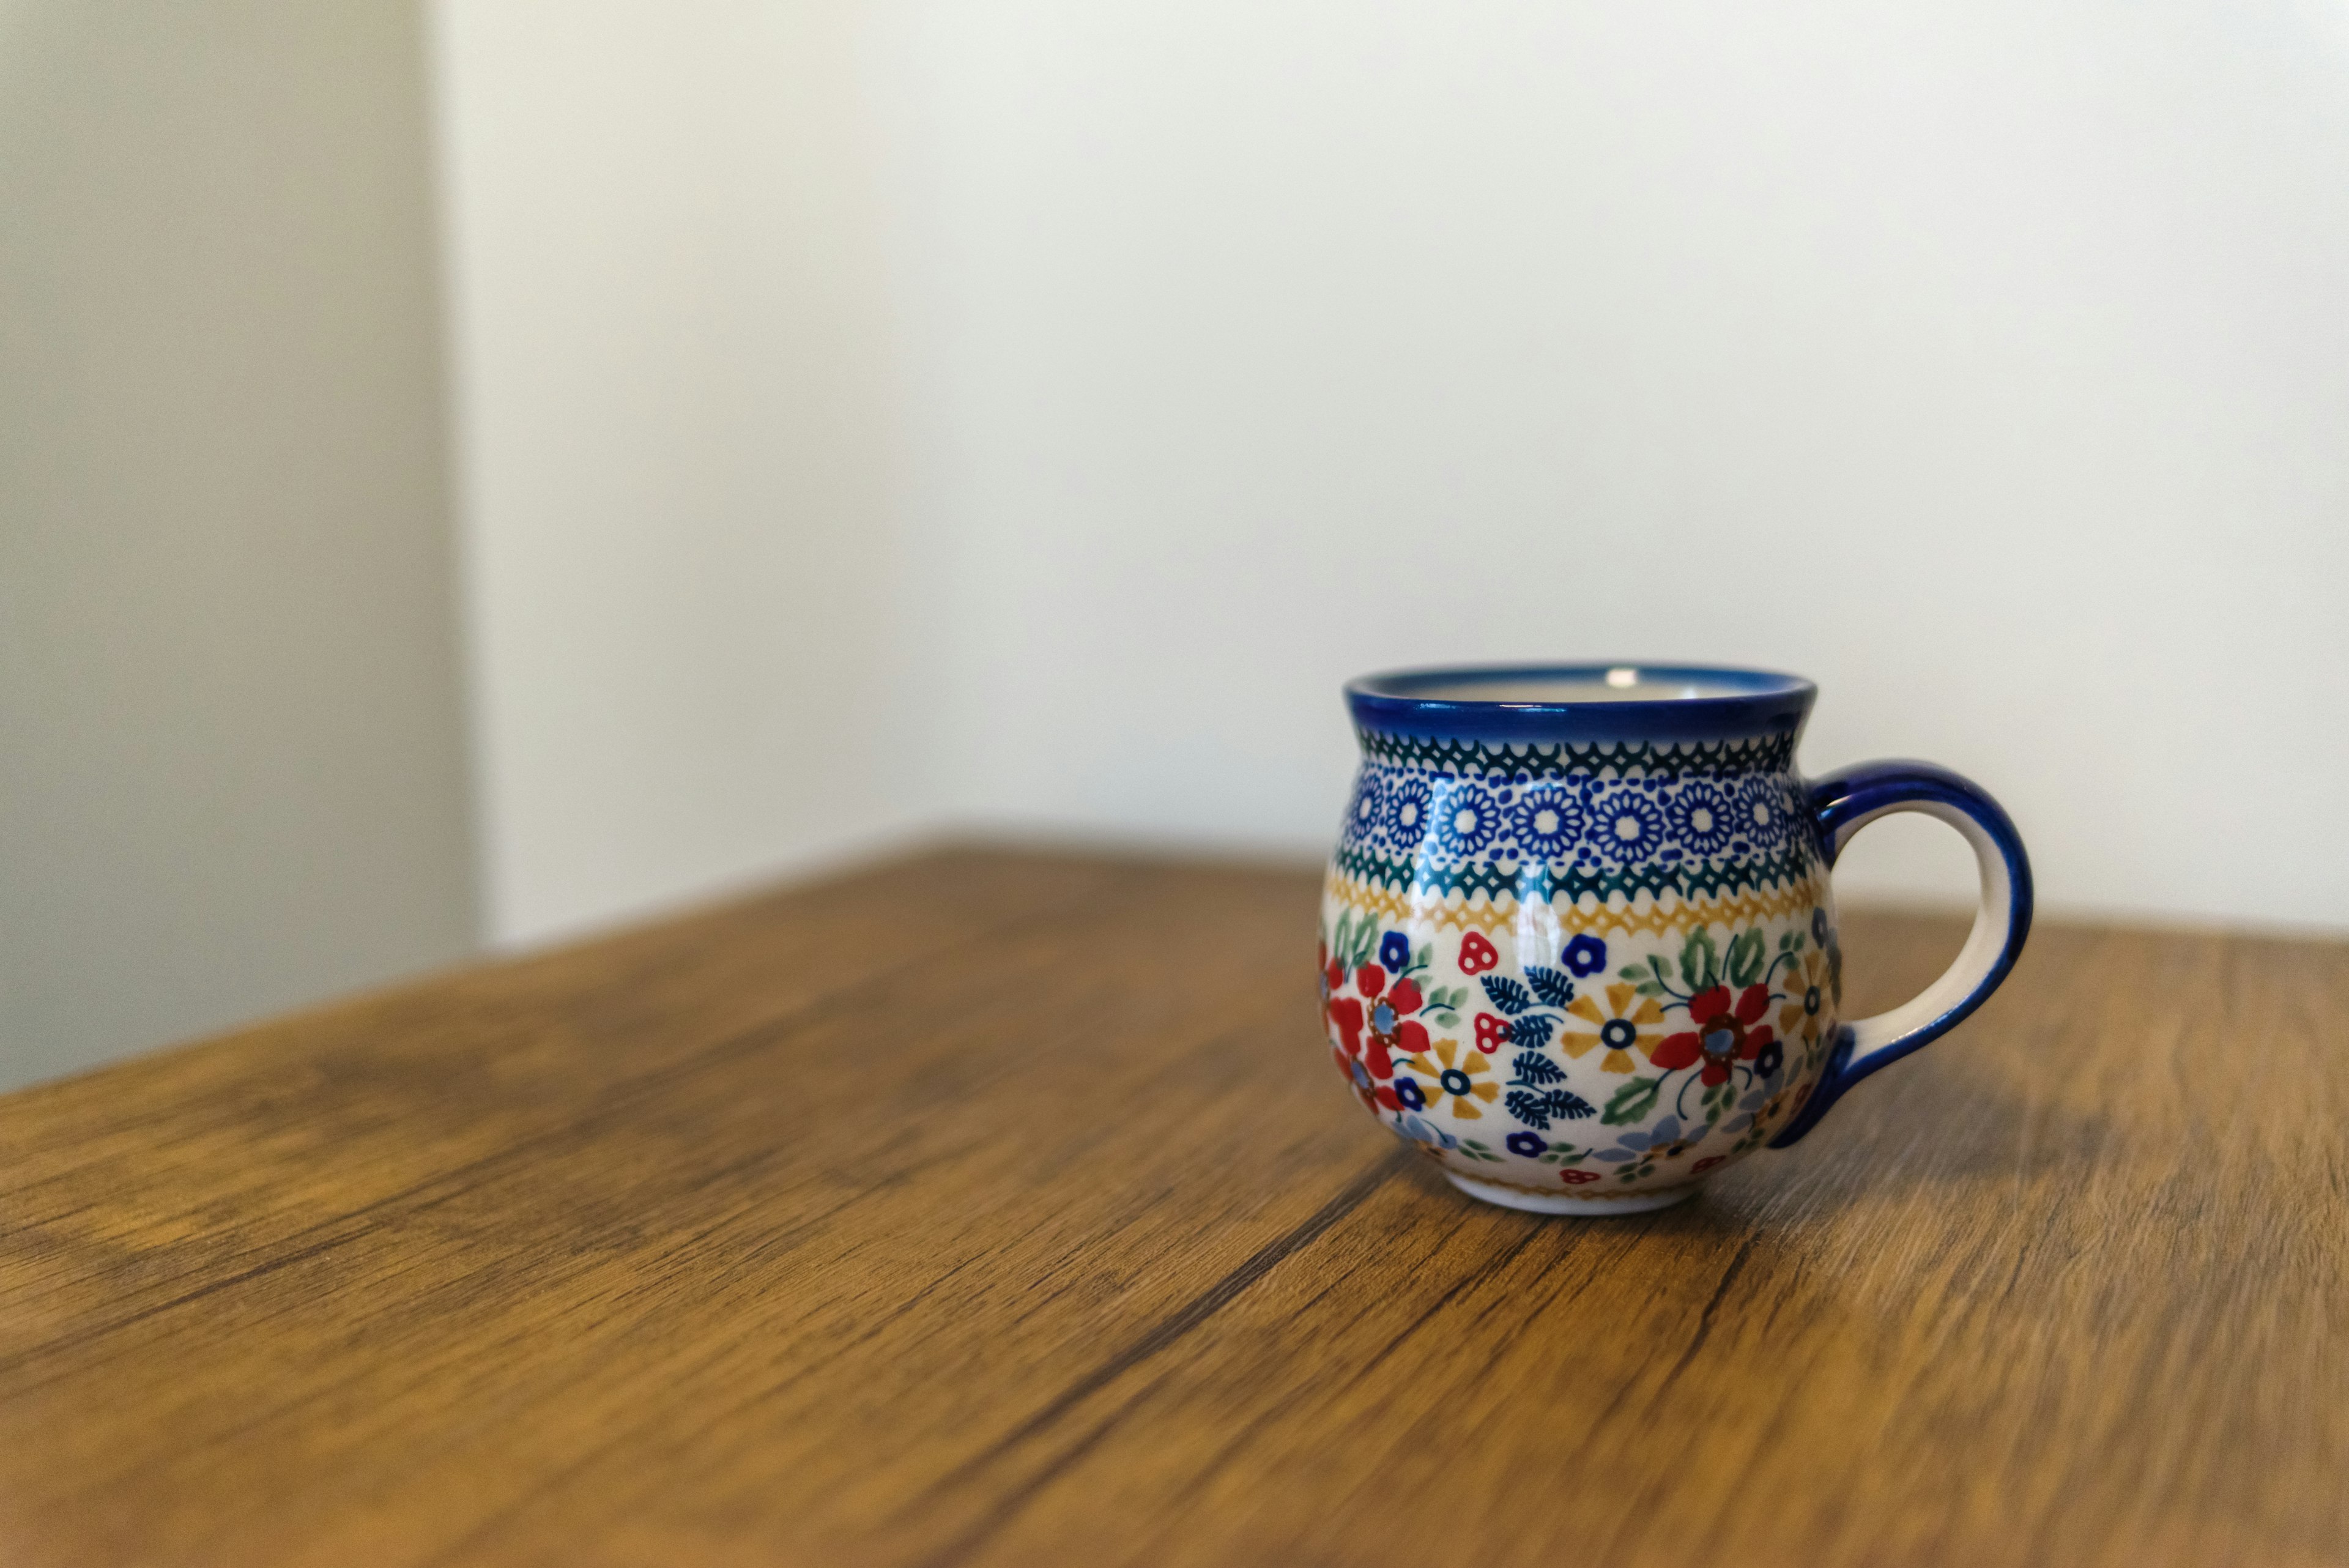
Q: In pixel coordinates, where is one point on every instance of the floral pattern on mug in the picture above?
(1462, 1076)
(1677, 1043)
(1578, 929)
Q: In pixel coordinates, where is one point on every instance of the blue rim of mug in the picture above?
(1739, 704)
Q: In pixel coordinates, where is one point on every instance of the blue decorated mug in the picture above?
(1577, 937)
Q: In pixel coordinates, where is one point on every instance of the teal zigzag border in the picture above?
(1536, 881)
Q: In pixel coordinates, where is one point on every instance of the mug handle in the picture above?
(1847, 800)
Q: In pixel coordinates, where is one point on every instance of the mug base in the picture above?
(1568, 1202)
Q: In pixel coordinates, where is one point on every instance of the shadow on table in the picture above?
(1941, 1120)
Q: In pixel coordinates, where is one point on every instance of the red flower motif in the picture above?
(1576, 1178)
(1707, 1163)
(1723, 1034)
(1345, 1016)
(1477, 954)
(1375, 1027)
(1491, 1033)
(1375, 1097)
(1409, 1039)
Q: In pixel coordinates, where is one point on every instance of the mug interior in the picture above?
(1581, 701)
(1621, 683)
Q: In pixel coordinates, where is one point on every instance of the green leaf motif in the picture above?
(1352, 944)
(1699, 960)
(1746, 958)
(1632, 1102)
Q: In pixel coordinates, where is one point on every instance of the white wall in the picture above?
(880, 412)
(231, 743)
(683, 569)
(1988, 363)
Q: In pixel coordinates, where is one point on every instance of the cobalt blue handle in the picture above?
(1848, 800)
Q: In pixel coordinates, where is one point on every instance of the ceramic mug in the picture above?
(1577, 937)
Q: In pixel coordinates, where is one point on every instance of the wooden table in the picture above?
(1001, 1209)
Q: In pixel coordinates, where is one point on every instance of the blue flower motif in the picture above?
(1395, 952)
(1419, 1131)
(1548, 823)
(1585, 955)
(1661, 1141)
(1818, 925)
(1526, 1143)
(1627, 825)
(1411, 1095)
(1704, 817)
(1663, 1132)
(1464, 819)
(1370, 802)
(1772, 1058)
(1763, 815)
(1406, 812)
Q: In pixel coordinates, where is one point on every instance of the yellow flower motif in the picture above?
(1452, 1074)
(1807, 988)
(1629, 1021)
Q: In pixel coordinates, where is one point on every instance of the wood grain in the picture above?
(995, 1208)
